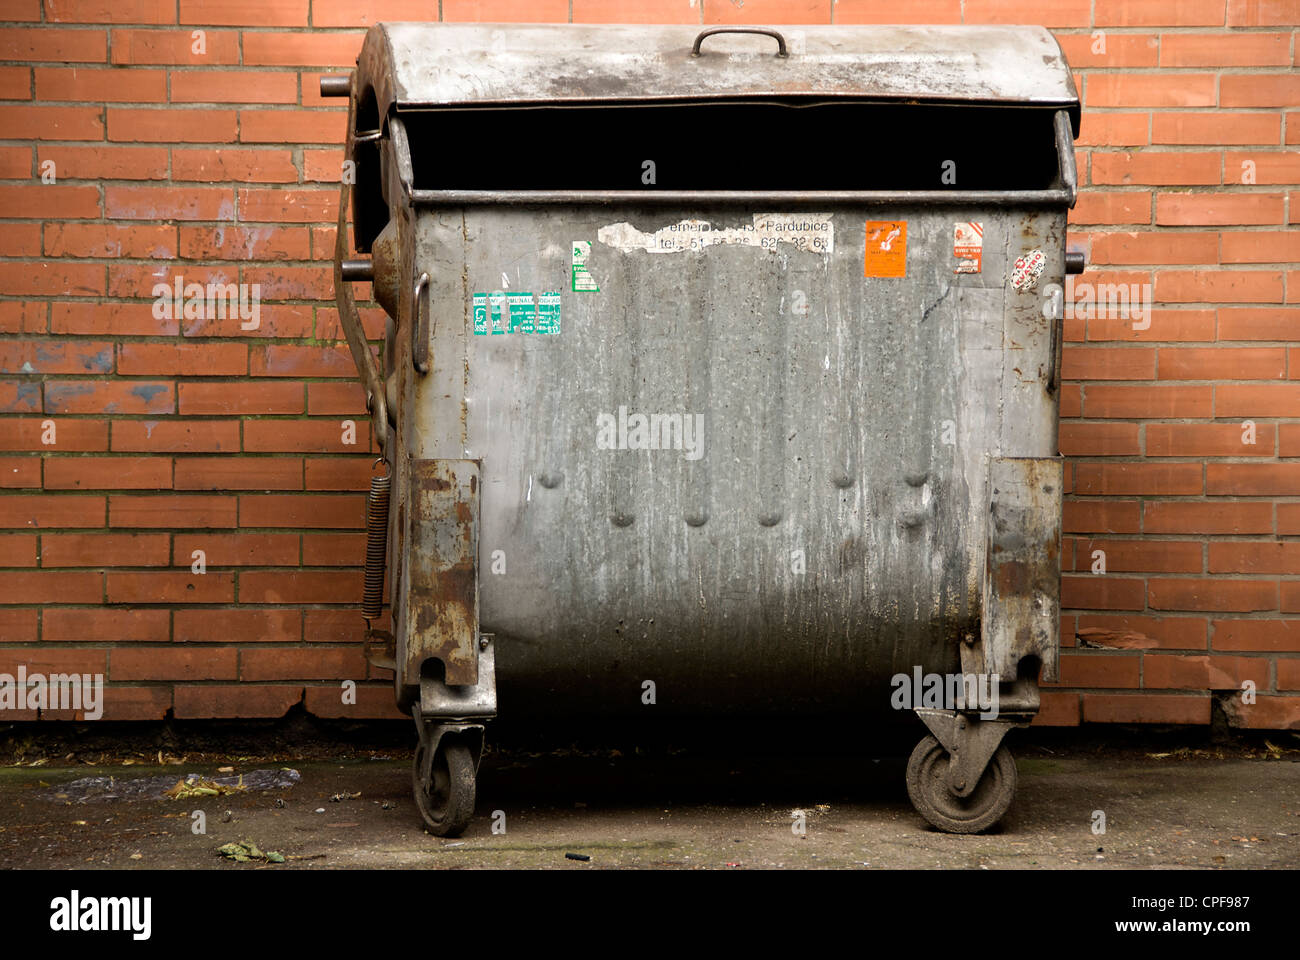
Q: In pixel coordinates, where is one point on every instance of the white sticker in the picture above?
(1027, 270)
(804, 231)
(583, 281)
(968, 245)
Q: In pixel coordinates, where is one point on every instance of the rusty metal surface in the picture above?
(412, 65)
(824, 434)
(1022, 582)
(439, 617)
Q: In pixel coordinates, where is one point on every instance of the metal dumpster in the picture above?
(720, 379)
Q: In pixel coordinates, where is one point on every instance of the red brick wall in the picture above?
(177, 435)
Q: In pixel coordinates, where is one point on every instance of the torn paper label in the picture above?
(968, 246)
(804, 231)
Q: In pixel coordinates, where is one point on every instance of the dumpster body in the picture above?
(721, 375)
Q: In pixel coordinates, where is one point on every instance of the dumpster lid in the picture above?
(421, 66)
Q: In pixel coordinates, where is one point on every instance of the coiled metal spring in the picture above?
(372, 597)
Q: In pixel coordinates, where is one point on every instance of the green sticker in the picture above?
(500, 312)
(583, 281)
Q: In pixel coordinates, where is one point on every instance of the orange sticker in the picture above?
(886, 254)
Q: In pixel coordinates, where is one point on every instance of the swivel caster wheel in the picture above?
(443, 781)
(927, 787)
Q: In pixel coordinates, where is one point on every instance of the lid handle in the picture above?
(780, 40)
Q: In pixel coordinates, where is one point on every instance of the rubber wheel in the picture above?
(447, 801)
(927, 772)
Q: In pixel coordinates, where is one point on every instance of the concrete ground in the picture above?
(1183, 808)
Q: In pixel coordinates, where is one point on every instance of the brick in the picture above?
(333, 549)
(1255, 557)
(1099, 439)
(1141, 479)
(170, 125)
(104, 163)
(318, 511)
(1221, 363)
(1198, 286)
(1102, 593)
(37, 201)
(292, 283)
(1151, 90)
(136, 703)
(183, 360)
(1114, 129)
(1177, 325)
(151, 663)
(107, 473)
(18, 626)
(16, 164)
(100, 85)
(1158, 13)
(238, 549)
(1146, 708)
(110, 11)
(247, 626)
(169, 587)
(17, 549)
(105, 550)
(280, 663)
(41, 511)
(1103, 363)
(1263, 167)
(299, 586)
(331, 473)
(1201, 594)
(1146, 555)
(1262, 636)
(1289, 440)
(262, 48)
(175, 436)
(306, 436)
(1220, 127)
(19, 472)
(20, 396)
(110, 319)
(1149, 167)
(243, 243)
(363, 13)
(110, 240)
(102, 624)
(1252, 479)
(239, 473)
(235, 86)
(1207, 440)
(1225, 49)
(1098, 207)
(86, 396)
(211, 702)
(43, 45)
(1100, 670)
(1136, 632)
(53, 660)
(52, 122)
(301, 361)
(339, 399)
(257, 397)
(70, 436)
(54, 279)
(1121, 49)
(172, 511)
(267, 13)
(1109, 516)
(1203, 672)
(292, 126)
(1288, 519)
(1259, 90)
(1266, 713)
(1196, 209)
(1260, 247)
(50, 586)
(1257, 400)
(1290, 600)
(168, 203)
(165, 47)
(19, 317)
(224, 165)
(1147, 402)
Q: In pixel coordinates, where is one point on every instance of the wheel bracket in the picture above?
(970, 743)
